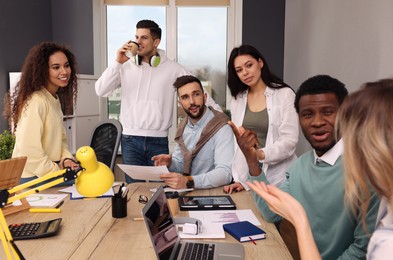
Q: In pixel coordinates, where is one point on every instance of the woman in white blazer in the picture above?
(261, 102)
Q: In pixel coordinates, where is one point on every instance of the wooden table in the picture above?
(88, 230)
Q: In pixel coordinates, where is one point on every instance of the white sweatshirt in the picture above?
(147, 94)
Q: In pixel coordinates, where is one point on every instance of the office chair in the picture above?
(106, 141)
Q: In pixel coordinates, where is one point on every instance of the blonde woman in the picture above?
(368, 158)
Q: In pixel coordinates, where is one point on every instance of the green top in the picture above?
(258, 122)
(319, 187)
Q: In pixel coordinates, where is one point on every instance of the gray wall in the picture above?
(72, 23)
(25, 23)
(351, 40)
(264, 28)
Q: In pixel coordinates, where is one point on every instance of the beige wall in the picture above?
(351, 40)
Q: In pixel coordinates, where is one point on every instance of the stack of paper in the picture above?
(74, 194)
(41, 200)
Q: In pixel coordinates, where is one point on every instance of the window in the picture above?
(202, 48)
(121, 21)
(198, 34)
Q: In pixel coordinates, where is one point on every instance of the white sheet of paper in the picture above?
(167, 189)
(147, 173)
(16, 203)
(212, 221)
(76, 195)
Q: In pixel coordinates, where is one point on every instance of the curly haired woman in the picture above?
(34, 110)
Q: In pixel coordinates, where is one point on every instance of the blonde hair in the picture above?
(365, 121)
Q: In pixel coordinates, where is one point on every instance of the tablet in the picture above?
(206, 202)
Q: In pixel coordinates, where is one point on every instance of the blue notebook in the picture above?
(244, 231)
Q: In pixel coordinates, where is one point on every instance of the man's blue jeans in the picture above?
(138, 150)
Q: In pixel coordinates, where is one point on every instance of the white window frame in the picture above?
(235, 11)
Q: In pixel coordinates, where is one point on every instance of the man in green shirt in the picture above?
(316, 178)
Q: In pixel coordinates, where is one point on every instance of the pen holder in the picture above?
(119, 206)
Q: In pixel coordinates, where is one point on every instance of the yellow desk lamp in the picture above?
(92, 179)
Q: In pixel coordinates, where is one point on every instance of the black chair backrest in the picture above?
(106, 141)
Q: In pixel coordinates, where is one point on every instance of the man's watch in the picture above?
(190, 182)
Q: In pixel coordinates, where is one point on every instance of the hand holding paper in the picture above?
(162, 160)
(174, 180)
(148, 173)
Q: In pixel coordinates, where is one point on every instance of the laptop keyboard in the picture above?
(198, 251)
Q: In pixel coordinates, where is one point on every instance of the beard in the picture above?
(320, 148)
(197, 115)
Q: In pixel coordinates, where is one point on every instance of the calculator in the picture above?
(35, 229)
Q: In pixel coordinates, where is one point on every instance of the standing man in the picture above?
(203, 155)
(145, 76)
(316, 179)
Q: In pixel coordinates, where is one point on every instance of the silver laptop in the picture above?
(166, 241)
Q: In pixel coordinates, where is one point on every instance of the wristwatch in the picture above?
(190, 182)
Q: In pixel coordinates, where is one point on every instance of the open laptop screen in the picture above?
(160, 224)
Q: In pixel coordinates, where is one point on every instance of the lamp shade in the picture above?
(96, 178)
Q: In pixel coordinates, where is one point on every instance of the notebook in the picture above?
(166, 241)
(244, 231)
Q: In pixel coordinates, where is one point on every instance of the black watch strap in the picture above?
(190, 183)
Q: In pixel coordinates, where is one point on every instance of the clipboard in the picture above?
(10, 173)
(222, 202)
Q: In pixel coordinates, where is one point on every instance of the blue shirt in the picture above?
(211, 167)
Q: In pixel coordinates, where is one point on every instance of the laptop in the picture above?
(166, 241)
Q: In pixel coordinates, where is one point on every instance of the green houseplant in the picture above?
(7, 142)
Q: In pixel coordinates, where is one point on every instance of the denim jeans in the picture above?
(138, 150)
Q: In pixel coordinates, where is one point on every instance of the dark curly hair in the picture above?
(321, 84)
(236, 86)
(35, 76)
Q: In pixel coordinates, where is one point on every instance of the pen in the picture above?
(124, 192)
(44, 210)
(252, 240)
(120, 190)
(59, 205)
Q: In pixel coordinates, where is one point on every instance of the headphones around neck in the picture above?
(154, 60)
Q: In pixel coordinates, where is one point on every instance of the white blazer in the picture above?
(282, 135)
